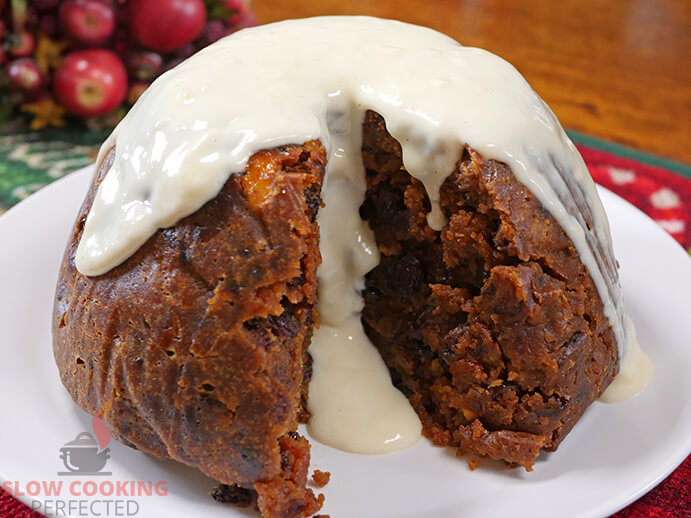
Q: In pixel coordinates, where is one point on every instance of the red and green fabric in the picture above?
(661, 188)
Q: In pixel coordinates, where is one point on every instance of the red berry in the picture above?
(90, 22)
(3, 56)
(249, 19)
(22, 44)
(166, 25)
(122, 41)
(48, 26)
(136, 91)
(32, 16)
(213, 31)
(185, 51)
(144, 65)
(172, 63)
(122, 12)
(91, 82)
(45, 5)
(24, 75)
(240, 9)
(2, 30)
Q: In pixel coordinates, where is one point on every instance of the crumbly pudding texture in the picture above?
(195, 348)
(491, 327)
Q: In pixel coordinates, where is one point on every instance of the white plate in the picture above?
(615, 454)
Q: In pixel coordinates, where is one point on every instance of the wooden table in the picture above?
(615, 69)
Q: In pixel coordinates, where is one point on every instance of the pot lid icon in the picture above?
(83, 440)
(81, 456)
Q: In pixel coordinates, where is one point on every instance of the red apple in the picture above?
(22, 44)
(144, 65)
(166, 25)
(24, 75)
(90, 82)
(90, 22)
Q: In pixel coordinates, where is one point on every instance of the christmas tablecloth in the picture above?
(660, 188)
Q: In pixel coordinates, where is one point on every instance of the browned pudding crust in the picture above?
(492, 327)
(321, 478)
(195, 347)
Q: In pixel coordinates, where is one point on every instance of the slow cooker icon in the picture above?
(81, 457)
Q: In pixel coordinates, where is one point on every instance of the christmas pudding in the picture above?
(349, 221)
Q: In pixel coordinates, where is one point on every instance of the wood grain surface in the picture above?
(615, 69)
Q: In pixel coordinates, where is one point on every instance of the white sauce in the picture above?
(308, 79)
(636, 371)
(353, 403)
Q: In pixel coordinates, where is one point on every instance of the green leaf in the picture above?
(216, 10)
(18, 14)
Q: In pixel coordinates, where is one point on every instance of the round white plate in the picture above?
(616, 452)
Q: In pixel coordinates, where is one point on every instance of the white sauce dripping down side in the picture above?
(353, 402)
(636, 371)
(299, 80)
